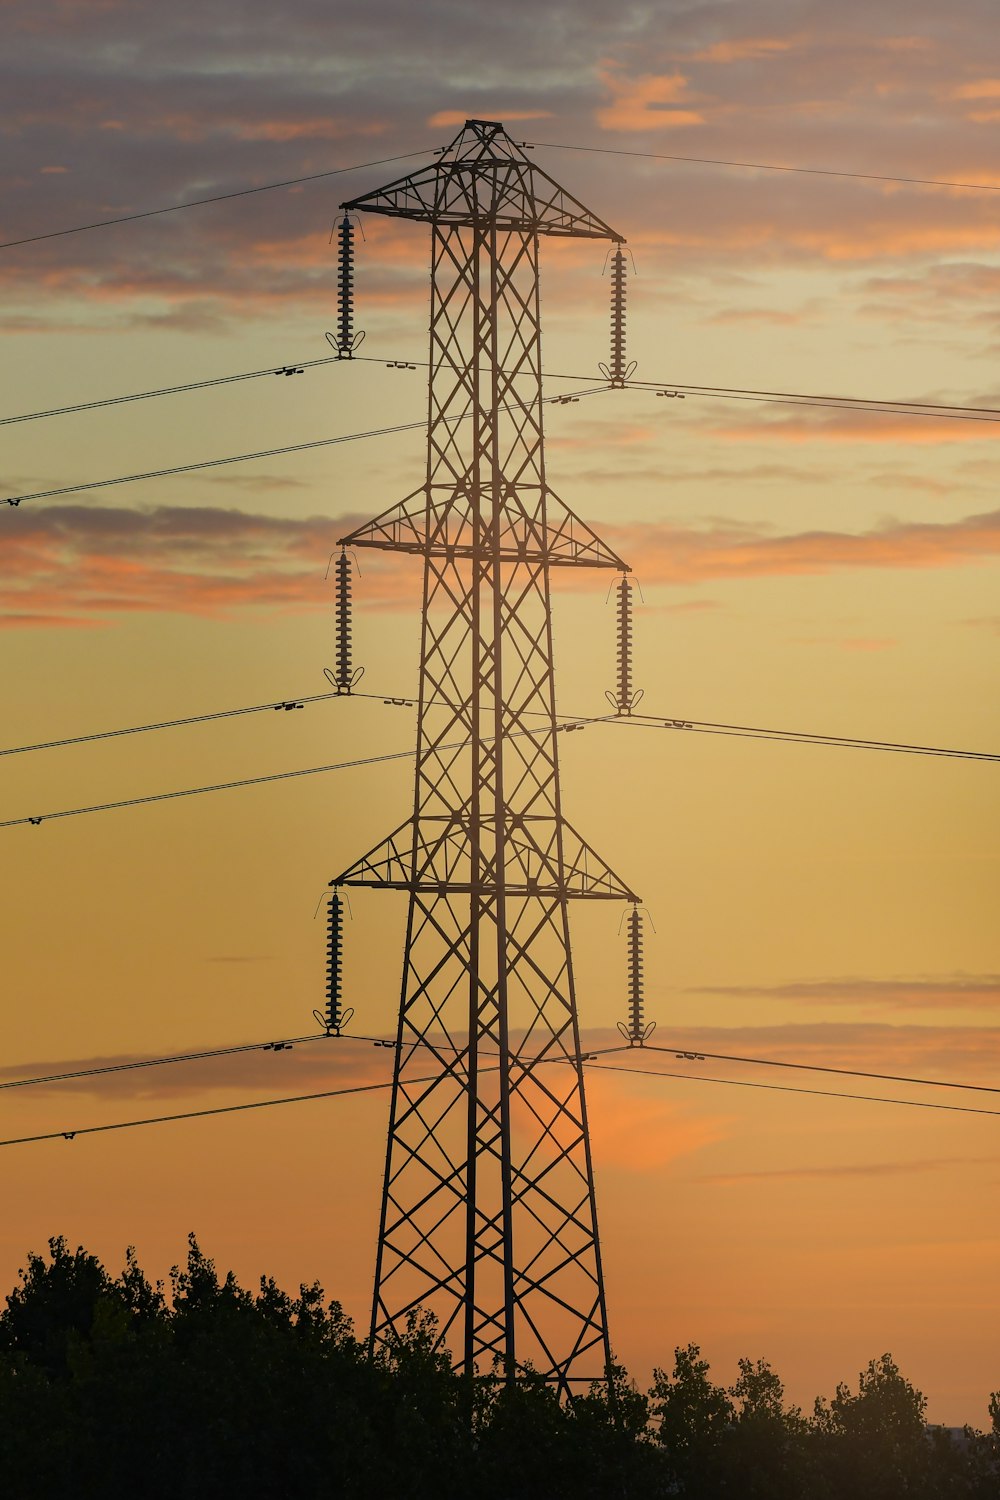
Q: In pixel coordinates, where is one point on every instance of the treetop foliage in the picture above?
(112, 1386)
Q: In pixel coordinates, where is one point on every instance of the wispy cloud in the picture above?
(307, 1066)
(90, 561)
(191, 114)
(649, 101)
(640, 1132)
(744, 49)
(969, 1051)
(812, 1173)
(844, 425)
(942, 1050)
(849, 642)
(679, 554)
(919, 993)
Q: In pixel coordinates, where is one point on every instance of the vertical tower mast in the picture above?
(488, 1209)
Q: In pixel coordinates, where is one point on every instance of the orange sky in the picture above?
(830, 571)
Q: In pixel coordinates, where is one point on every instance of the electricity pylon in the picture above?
(488, 1210)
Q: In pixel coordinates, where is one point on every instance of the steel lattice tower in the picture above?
(488, 1209)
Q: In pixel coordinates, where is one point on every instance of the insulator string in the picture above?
(635, 976)
(346, 287)
(343, 622)
(618, 370)
(334, 1016)
(346, 674)
(617, 316)
(636, 1030)
(624, 645)
(347, 339)
(625, 699)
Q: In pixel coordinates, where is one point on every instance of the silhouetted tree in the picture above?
(693, 1419)
(765, 1452)
(873, 1443)
(112, 1387)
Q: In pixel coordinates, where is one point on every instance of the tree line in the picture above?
(112, 1386)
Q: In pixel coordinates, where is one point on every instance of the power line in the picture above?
(295, 368)
(711, 161)
(785, 1088)
(798, 737)
(215, 463)
(221, 786)
(280, 704)
(292, 367)
(565, 722)
(277, 1045)
(878, 403)
(133, 1064)
(175, 208)
(239, 458)
(640, 721)
(696, 1055)
(227, 786)
(365, 1088)
(223, 713)
(201, 1114)
(875, 404)
(763, 166)
(832, 403)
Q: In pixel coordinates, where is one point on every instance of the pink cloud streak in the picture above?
(84, 562)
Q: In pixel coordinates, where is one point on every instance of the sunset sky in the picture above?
(833, 571)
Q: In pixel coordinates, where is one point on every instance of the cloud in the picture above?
(852, 1169)
(305, 1067)
(457, 117)
(628, 1130)
(736, 473)
(151, 112)
(742, 49)
(644, 1132)
(83, 562)
(686, 607)
(969, 1052)
(981, 88)
(923, 992)
(772, 316)
(686, 554)
(848, 643)
(10, 620)
(946, 1051)
(849, 425)
(946, 292)
(646, 102)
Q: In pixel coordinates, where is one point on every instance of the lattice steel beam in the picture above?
(488, 1211)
